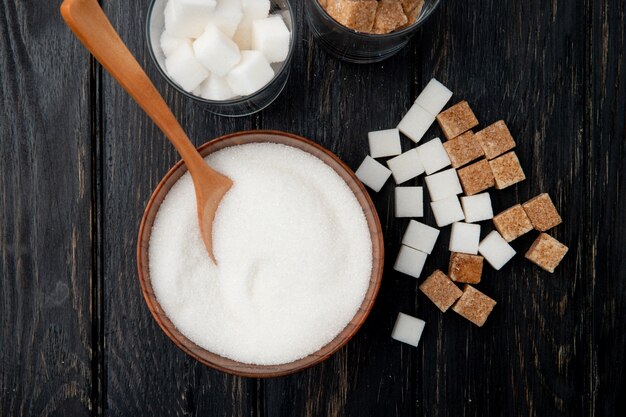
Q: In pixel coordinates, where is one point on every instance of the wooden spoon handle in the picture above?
(88, 21)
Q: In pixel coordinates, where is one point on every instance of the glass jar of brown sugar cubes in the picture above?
(366, 31)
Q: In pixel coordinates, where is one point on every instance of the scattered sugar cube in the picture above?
(464, 238)
(457, 119)
(434, 97)
(406, 166)
(184, 68)
(169, 43)
(409, 201)
(495, 139)
(507, 170)
(433, 156)
(408, 329)
(447, 211)
(255, 9)
(496, 250)
(474, 306)
(542, 212)
(476, 177)
(410, 261)
(477, 207)
(251, 74)
(440, 290)
(512, 223)
(389, 17)
(188, 18)
(271, 37)
(420, 236)
(216, 51)
(216, 88)
(463, 149)
(226, 17)
(416, 123)
(465, 268)
(357, 15)
(384, 143)
(373, 174)
(546, 252)
(443, 184)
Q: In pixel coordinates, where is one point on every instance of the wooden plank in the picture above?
(606, 147)
(45, 207)
(146, 375)
(524, 63)
(336, 104)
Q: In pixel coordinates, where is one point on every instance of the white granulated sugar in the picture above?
(293, 251)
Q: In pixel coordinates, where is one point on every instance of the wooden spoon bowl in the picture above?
(227, 365)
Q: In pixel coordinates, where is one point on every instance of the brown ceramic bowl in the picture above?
(228, 365)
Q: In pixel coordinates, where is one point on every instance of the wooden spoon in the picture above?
(89, 23)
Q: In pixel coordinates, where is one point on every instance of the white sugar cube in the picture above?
(496, 250)
(271, 36)
(372, 173)
(410, 261)
(447, 211)
(477, 207)
(255, 9)
(464, 238)
(188, 18)
(384, 143)
(216, 88)
(169, 43)
(243, 34)
(409, 201)
(227, 15)
(408, 329)
(416, 123)
(406, 166)
(251, 74)
(434, 97)
(184, 68)
(216, 51)
(443, 184)
(433, 156)
(420, 236)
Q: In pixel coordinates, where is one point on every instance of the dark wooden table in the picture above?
(79, 160)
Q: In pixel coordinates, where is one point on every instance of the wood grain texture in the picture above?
(145, 374)
(606, 106)
(77, 339)
(45, 224)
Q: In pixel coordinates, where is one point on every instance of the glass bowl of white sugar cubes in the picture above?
(231, 56)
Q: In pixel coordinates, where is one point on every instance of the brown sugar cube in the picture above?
(542, 213)
(440, 290)
(456, 120)
(463, 149)
(546, 252)
(507, 170)
(358, 15)
(474, 305)
(512, 223)
(465, 268)
(476, 177)
(410, 5)
(413, 13)
(389, 16)
(495, 139)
